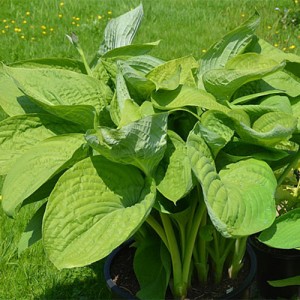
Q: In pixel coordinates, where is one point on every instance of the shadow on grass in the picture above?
(89, 288)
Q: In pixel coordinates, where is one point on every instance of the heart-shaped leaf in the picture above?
(79, 228)
(240, 199)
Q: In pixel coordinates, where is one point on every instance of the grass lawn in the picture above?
(33, 29)
(37, 28)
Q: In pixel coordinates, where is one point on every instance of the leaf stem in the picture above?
(86, 65)
(179, 286)
(288, 169)
(237, 257)
(201, 209)
(158, 229)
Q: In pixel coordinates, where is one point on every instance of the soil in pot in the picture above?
(122, 276)
(275, 264)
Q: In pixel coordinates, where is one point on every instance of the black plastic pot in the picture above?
(275, 264)
(242, 292)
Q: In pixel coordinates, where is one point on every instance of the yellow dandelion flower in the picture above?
(60, 16)
(277, 32)
(17, 29)
(99, 17)
(296, 1)
(77, 25)
(27, 13)
(61, 4)
(13, 21)
(4, 21)
(269, 27)
(3, 31)
(74, 18)
(44, 32)
(109, 12)
(275, 45)
(242, 15)
(22, 37)
(43, 27)
(51, 29)
(292, 47)
(33, 38)
(284, 49)
(73, 23)
(77, 18)
(203, 50)
(24, 22)
(6, 26)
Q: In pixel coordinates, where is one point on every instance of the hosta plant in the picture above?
(178, 154)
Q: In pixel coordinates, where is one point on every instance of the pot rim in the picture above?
(283, 254)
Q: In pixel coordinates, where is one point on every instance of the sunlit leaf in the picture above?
(240, 198)
(79, 228)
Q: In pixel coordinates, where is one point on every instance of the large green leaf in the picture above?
(284, 232)
(95, 206)
(20, 133)
(268, 130)
(232, 44)
(69, 95)
(241, 69)
(38, 165)
(120, 31)
(185, 96)
(141, 143)
(174, 173)
(240, 199)
(169, 75)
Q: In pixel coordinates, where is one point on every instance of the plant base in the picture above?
(120, 279)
